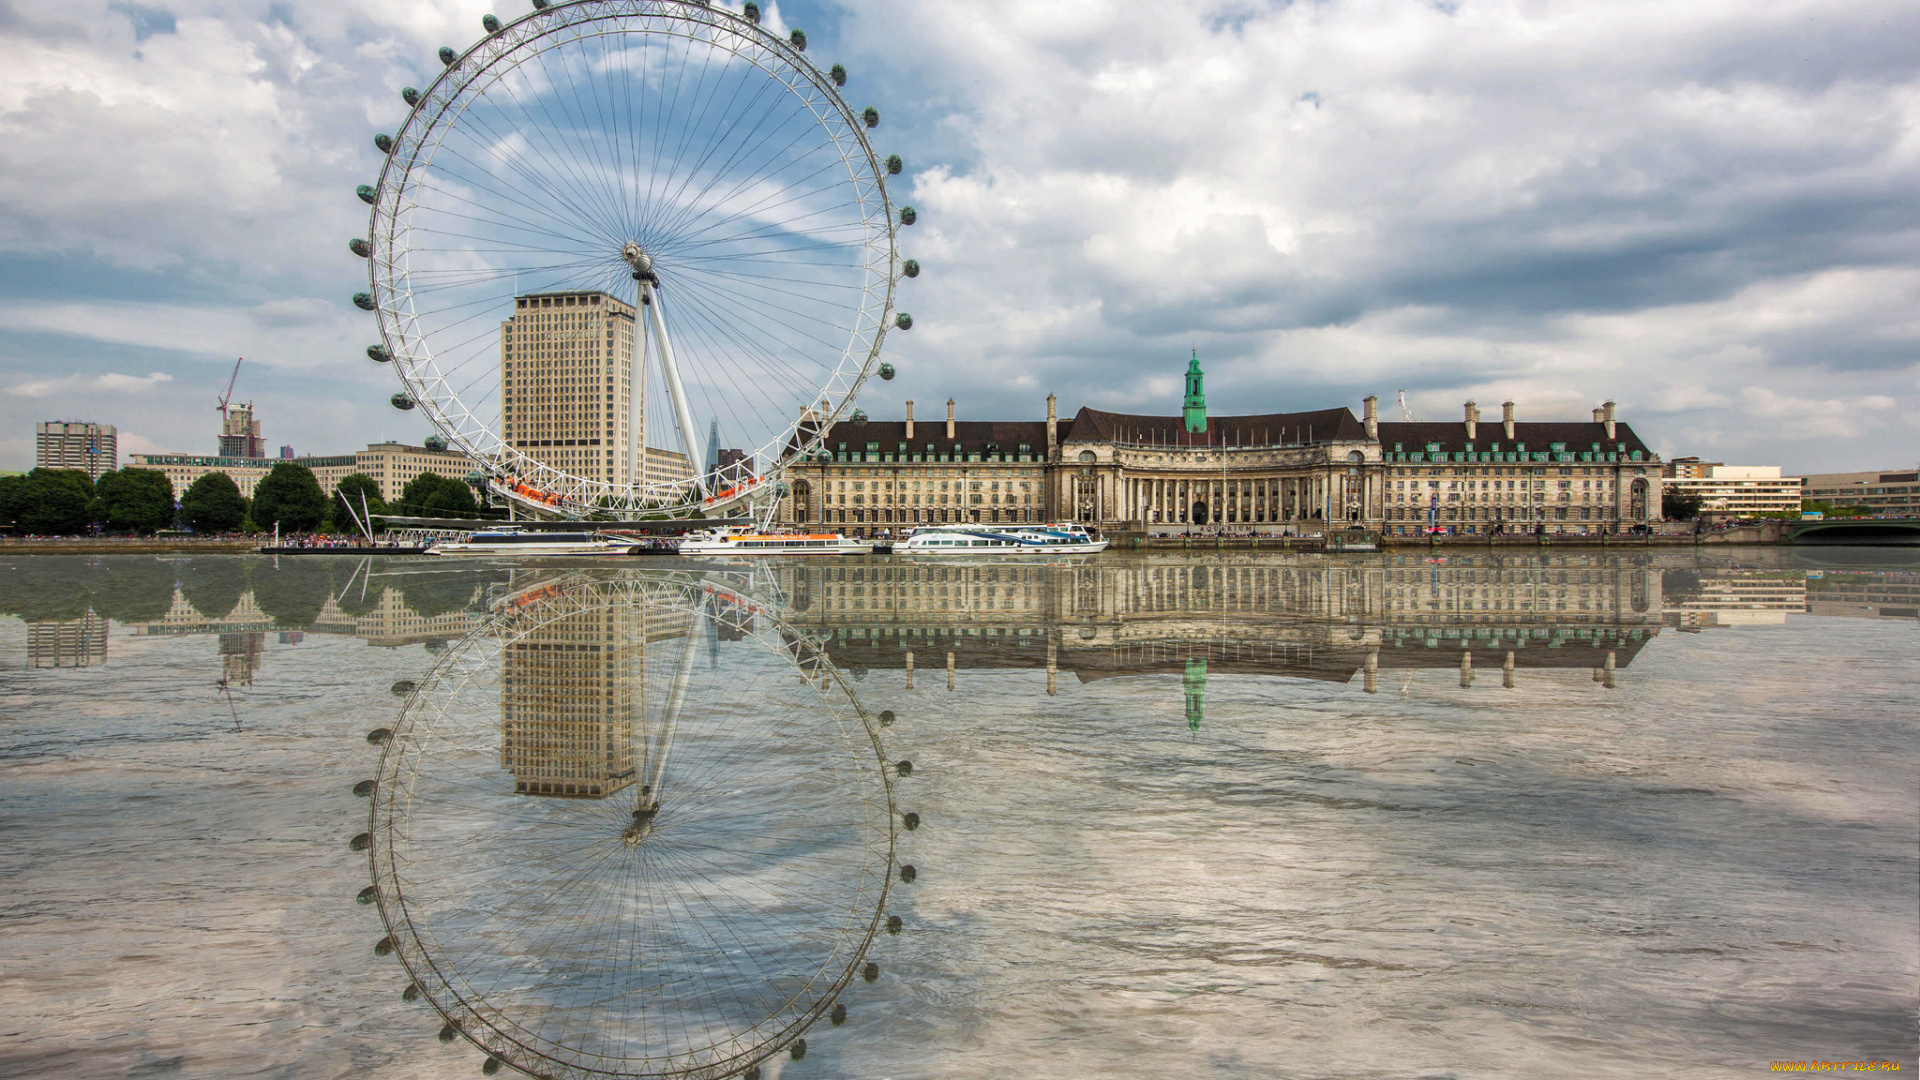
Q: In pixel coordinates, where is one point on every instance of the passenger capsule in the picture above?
(870, 972)
(379, 354)
(491, 24)
(540, 5)
(751, 11)
(839, 1014)
(752, 1073)
(379, 736)
(859, 418)
(871, 116)
(903, 767)
(363, 301)
(383, 947)
(894, 925)
(360, 842)
(363, 789)
(908, 873)
(448, 1032)
(492, 1066)
(908, 216)
(798, 1051)
(894, 164)
(903, 320)
(798, 39)
(911, 268)
(886, 372)
(367, 895)
(411, 993)
(401, 402)
(383, 143)
(886, 717)
(367, 194)
(838, 73)
(409, 95)
(448, 56)
(360, 247)
(911, 820)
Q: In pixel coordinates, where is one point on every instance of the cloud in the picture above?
(110, 383)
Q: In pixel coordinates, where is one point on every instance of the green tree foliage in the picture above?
(214, 584)
(13, 497)
(348, 493)
(134, 500)
(294, 591)
(213, 504)
(430, 594)
(290, 497)
(1678, 505)
(433, 495)
(58, 588)
(54, 503)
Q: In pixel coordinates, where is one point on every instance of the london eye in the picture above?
(610, 227)
(603, 846)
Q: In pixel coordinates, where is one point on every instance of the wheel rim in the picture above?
(536, 157)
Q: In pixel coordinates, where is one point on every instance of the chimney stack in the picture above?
(1506, 417)
(1606, 414)
(909, 418)
(1599, 414)
(949, 418)
(1473, 420)
(1371, 410)
(1053, 426)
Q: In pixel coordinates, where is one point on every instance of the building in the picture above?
(390, 464)
(569, 698)
(570, 393)
(1688, 468)
(1889, 492)
(240, 433)
(1740, 490)
(76, 444)
(80, 642)
(1272, 473)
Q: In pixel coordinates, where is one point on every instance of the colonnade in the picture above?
(1234, 500)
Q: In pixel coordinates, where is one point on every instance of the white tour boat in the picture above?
(1064, 539)
(524, 543)
(736, 540)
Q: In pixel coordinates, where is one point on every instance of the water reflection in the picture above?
(596, 854)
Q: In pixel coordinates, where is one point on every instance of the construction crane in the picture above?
(224, 398)
(1406, 411)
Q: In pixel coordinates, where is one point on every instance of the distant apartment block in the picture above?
(240, 433)
(389, 464)
(1739, 489)
(76, 444)
(1881, 491)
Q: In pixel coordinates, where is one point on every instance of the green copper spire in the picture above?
(1194, 412)
(1195, 684)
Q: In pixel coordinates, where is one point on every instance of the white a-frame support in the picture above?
(676, 394)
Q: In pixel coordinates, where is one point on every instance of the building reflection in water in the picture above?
(569, 690)
(67, 643)
(1341, 621)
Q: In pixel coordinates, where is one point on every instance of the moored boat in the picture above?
(522, 543)
(743, 541)
(1062, 539)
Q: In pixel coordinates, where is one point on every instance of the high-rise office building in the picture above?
(567, 384)
(240, 433)
(76, 444)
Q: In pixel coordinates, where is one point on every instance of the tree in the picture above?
(53, 504)
(135, 500)
(433, 495)
(347, 501)
(213, 504)
(13, 497)
(1676, 505)
(289, 497)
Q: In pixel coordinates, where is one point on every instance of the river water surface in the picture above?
(1566, 814)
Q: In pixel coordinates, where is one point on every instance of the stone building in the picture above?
(1273, 473)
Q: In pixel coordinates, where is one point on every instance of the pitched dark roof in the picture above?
(1452, 436)
(972, 435)
(1319, 426)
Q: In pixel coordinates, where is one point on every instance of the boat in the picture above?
(738, 540)
(1062, 539)
(522, 543)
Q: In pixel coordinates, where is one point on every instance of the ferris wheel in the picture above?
(613, 231)
(656, 856)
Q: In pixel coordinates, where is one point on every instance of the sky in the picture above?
(1707, 212)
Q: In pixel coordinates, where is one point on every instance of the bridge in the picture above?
(1841, 530)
